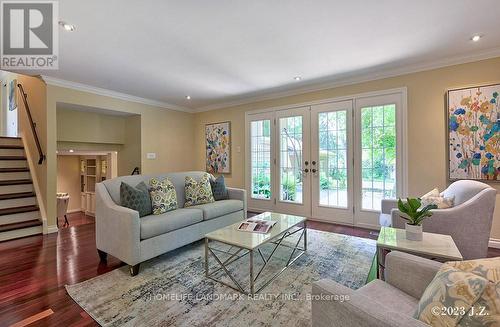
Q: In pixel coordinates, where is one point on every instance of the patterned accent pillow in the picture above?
(163, 196)
(198, 192)
(219, 189)
(136, 198)
(434, 197)
(451, 288)
(486, 310)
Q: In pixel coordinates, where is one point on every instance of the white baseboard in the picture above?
(494, 243)
(74, 210)
(52, 229)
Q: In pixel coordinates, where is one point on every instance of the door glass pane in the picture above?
(291, 159)
(260, 152)
(333, 158)
(378, 155)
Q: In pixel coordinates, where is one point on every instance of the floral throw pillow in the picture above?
(451, 295)
(198, 192)
(163, 196)
(486, 310)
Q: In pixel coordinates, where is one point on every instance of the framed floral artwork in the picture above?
(218, 147)
(474, 133)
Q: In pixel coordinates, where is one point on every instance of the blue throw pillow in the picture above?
(136, 198)
(219, 189)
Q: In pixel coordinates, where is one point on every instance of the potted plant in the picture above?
(414, 216)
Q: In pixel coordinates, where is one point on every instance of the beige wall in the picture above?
(426, 122)
(130, 155)
(89, 127)
(68, 179)
(42, 175)
(168, 133)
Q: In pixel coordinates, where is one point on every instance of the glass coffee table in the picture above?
(248, 243)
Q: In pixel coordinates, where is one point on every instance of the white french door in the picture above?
(332, 171)
(293, 161)
(334, 161)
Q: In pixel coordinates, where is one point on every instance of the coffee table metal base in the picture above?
(238, 253)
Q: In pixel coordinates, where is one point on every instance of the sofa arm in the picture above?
(239, 194)
(388, 204)
(118, 229)
(409, 273)
(336, 305)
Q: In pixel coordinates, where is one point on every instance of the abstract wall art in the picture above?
(218, 147)
(474, 133)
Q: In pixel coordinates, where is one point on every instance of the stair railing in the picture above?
(32, 124)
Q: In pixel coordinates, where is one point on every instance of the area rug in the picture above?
(172, 290)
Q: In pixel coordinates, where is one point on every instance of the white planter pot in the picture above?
(413, 233)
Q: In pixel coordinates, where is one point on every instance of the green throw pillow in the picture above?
(198, 192)
(136, 198)
(163, 196)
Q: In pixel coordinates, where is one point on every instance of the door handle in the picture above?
(314, 163)
(306, 170)
(306, 163)
(314, 171)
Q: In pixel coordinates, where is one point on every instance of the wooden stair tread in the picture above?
(12, 158)
(17, 195)
(10, 211)
(10, 137)
(11, 146)
(16, 182)
(19, 225)
(14, 170)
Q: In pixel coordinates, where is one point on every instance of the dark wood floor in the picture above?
(34, 270)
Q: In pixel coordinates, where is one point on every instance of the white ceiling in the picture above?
(227, 51)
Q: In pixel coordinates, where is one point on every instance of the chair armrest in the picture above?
(388, 204)
(409, 273)
(239, 194)
(336, 305)
(118, 229)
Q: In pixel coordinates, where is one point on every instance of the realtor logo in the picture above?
(29, 35)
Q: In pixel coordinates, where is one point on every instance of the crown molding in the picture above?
(372, 76)
(113, 94)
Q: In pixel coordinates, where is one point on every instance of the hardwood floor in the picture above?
(34, 270)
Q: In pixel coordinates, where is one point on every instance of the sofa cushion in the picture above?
(163, 196)
(389, 296)
(154, 225)
(219, 208)
(136, 198)
(198, 192)
(219, 189)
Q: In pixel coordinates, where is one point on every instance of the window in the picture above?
(261, 159)
(378, 156)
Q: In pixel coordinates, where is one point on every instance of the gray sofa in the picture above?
(121, 233)
(379, 303)
(468, 221)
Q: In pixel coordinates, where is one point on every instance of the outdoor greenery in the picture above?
(412, 213)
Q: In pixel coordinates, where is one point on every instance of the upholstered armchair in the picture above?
(389, 303)
(468, 221)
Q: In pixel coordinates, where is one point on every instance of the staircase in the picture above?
(19, 212)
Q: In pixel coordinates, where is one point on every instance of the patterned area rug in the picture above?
(172, 289)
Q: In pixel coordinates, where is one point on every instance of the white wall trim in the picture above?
(52, 229)
(112, 94)
(74, 210)
(494, 243)
(367, 77)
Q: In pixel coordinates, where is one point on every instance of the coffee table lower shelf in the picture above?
(236, 253)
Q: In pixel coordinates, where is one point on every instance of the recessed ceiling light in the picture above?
(476, 38)
(297, 78)
(188, 97)
(67, 27)
(71, 150)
